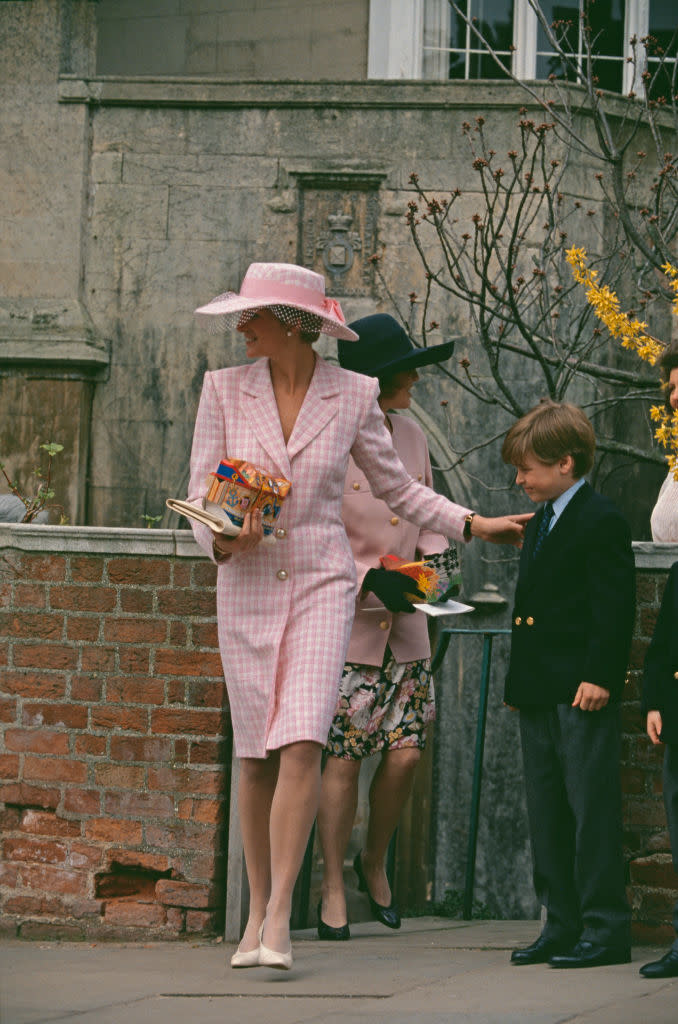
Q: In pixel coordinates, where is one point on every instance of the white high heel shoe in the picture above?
(272, 958)
(247, 959)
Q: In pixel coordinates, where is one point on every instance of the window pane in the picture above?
(606, 18)
(458, 27)
(484, 66)
(567, 14)
(608, 74)
(495, 21)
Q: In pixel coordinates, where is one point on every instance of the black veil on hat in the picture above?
(384, 348)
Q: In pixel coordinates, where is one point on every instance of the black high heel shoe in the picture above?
(390, 916)
(328, 933)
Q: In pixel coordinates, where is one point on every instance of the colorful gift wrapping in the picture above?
(436, 576)
(238, 487)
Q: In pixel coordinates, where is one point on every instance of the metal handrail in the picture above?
(488, 636)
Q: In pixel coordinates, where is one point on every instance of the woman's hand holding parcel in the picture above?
(252, 533)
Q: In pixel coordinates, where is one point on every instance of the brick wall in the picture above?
(653, 882)
(114, 738)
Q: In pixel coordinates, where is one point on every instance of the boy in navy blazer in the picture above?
(571, 634)
(660, 703)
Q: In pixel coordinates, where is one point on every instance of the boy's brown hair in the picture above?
(551, 431)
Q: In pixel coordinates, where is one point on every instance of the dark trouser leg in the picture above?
(590, 754)
(552, 827)
(671, 804)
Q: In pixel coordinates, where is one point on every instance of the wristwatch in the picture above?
(467, 525)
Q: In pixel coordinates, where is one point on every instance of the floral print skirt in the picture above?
(382, 708)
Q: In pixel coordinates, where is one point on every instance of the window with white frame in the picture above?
(450, 49)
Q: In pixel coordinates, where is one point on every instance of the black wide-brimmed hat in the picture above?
(384, 348)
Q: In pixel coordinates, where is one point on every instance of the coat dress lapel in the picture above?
(259, 408)
(319, 406)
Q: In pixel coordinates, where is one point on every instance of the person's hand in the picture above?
(391, 586)
(252, 533)
(590, 697)
(654, 726)
(501, 529)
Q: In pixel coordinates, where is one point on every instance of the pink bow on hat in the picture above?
(334, 309)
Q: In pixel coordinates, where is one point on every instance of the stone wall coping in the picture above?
(103, 540)
(181, 543)
(186, 91)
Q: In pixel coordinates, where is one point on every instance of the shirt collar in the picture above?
(561, 502)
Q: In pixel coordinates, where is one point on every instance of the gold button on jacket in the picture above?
(529, 620)
(394, 521)
(518, 620)
(281, 532)
(383, 624)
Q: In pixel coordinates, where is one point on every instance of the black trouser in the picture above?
(571, 760)
(671, 804)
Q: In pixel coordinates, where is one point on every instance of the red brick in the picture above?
(633, 781)
(8, 709)
(135, 631)
(9, 766)
(66, 716)
(208, 752)
(200, 922)
(137, 748)
(175, 919)
(140, 571)
(184, 894)
(34, 906)
(30, 595)
(205, 694)
(181, 575)
(643, 812)
(137, 859)
(178, 634)
(10, 820)
(34, 684)
(185, 780)
(206, 812)
(43, 567)
(648, 620)
(79, 627)
(87, 569)
(51, 879)
(37, 851)
(81, 855)
(126, 719)
(204, 574)
(176, 691)
(646, 588)
(108, 830)
(179, 836)
(657, 905)
(83, 598)
(29, 796)
(656, 871)
(205, 634)
(134, 914)
(170, 662)
(118, 776)
(86, 688)
(82, 801)
(138, 804)
(134, 660)
(31, 625)
(187, 602)
(38, 741)
(204, 862)
(644, 934)
(183, 720)
(80, 908)
(181, 751)
(140, 601)
(54, 769)
(139, 690)
(41, 823)
(49, 656)
(94, 746)
(51, 931)
(9, 875)
(98, 658)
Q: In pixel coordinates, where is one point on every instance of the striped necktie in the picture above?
(543, 529)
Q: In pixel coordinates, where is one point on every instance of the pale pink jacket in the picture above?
(374, 530)
(284, 610)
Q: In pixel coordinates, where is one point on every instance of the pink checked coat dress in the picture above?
(284, 610)
(374, 530)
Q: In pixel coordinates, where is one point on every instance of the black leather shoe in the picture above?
(592, 954)
(540, 951)
(390, 916)
(330, 934)
(667, 967)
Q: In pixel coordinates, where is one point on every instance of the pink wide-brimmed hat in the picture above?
(282, 288)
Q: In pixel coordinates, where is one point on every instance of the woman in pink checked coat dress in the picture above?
(284, 610)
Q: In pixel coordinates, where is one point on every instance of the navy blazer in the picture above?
(660, 677)
(574, 605)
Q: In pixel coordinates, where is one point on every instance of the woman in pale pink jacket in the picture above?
(386, 698)
(284, 609)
